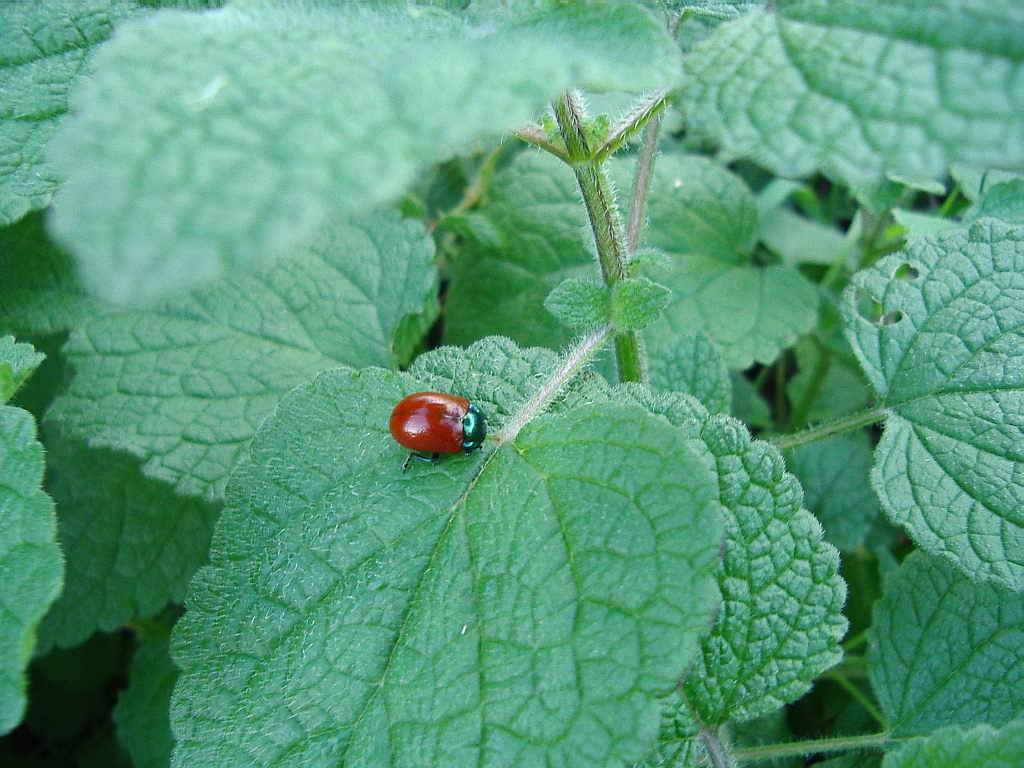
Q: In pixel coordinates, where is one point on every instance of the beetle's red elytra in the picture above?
(429, 422)
(435, 423)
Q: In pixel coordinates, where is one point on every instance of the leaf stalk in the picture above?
(533, 134)
(645, 165)
(642, 185)
(718, 754)
(578, 356)
(828, 429)
(644, 113)
(811, 747)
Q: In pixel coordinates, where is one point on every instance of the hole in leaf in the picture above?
(906, 272)
(868, 306)
(890, 318)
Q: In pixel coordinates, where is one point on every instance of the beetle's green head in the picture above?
(474, 429)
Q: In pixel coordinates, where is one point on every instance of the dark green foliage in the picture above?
(739, 286)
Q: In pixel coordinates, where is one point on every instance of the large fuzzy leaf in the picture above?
(31, 568)
(858, 88)
(938, 330)
(980, 747)
(705, 217)
(945, 650)
(185, 385)
(782, 597)
(131, 543)
(523, 605)
(206, 143)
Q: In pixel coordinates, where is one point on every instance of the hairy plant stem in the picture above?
(533, 134)
(645, 112)
(574, 359)
(645, 167)
(811, 747)
(642, 184)
(822, 431)
(595, 189)
(605, 222)
(717, 752)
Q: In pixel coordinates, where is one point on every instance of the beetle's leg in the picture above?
(432, 458)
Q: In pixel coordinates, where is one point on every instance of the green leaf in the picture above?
(45, 45)
(945, 356)
(878, 197)
(978, 747)
(17, 362)
(637, 302)
(184, 386)
(834, 474)
(781, 618)
(131, 544)
(855, 759)
(41, 293)
(1004, 201)
(521, 606)
(702, 215)
(698, 206)
(922, 223)
(974, 181)
(580, 303)
(677, 747)
(141, 714)
(858, 88)
(584, 303)
(706, 218)
(945, 650)
(649, 259)
(692, 364)
(31, 567)
(538, 239)
(782, 597)
(225, 138)
(799, 240)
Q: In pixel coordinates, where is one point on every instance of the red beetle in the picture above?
(436, 423)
